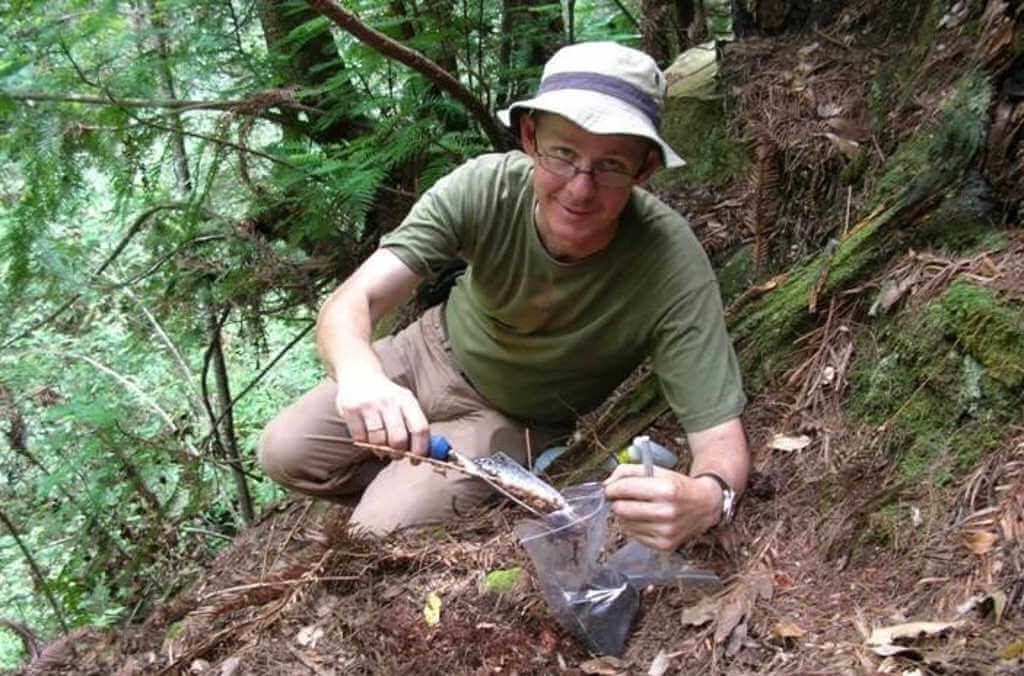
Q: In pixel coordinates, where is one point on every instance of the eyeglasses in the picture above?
(609, 178)
(559, 166)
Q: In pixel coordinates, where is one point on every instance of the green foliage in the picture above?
(115, 258)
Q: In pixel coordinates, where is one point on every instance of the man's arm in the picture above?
(374, 408)
(669, 508)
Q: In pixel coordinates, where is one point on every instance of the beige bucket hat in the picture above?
(604, 87)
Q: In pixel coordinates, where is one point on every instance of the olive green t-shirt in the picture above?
(547, 341)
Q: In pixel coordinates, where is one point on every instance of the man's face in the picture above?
(577, 217)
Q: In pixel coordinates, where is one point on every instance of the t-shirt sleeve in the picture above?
(436, 230)
(695, 362)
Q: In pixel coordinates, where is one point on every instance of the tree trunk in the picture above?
(312, 64)
(225, 420)
(531, 32)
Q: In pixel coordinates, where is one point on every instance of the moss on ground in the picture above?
(697, 130)
(923, 169)
(942, 382)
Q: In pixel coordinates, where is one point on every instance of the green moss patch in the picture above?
(696, 129)
(942, 382)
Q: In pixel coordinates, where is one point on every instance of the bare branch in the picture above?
(37, 573)
(266, 369)
(350, 23)
(28, 638)
(256, 105)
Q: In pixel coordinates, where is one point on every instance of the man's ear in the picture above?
(651, 164)
(528, 133)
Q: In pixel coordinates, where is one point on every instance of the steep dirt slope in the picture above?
(883, 530)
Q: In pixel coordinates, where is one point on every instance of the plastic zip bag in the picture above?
(595, 603)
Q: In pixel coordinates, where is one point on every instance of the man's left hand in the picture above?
(666, 509)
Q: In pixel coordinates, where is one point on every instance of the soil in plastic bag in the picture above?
(594, 602)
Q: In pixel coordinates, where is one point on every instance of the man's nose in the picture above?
(582, 183)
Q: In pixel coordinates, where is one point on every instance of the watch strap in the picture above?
(728, 494)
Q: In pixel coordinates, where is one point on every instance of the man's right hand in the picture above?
(375, 409)
(381, 412)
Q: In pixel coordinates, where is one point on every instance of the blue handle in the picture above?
(439, 447)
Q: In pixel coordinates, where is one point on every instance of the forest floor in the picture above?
(298, 594)
(816, 579)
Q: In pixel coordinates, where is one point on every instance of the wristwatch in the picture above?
(728, 495)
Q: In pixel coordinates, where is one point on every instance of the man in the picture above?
(575, 275)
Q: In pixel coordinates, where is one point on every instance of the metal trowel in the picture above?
(504, 475)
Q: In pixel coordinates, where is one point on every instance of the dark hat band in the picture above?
(605, 84)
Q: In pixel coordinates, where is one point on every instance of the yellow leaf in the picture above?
(980, 542)
(432, 610)
(1012, 651)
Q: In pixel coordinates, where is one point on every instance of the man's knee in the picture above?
(278, 450)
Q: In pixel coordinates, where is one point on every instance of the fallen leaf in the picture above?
(781, 442)
(785, 630)
(229, 666)
(1012, 651)
(700, 613)
(762, 585)
(848, 147)
(605, 665)
(737, 639)
(502, 580)
(731, 615)
(980, 542)
(829, 110)
(998, 604)
(909, 630)
(808, 49)
(432, 609)
(660, 664)
(308, 636)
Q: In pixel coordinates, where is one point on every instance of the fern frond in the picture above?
(761, 202)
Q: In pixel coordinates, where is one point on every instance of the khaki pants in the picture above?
(397, 494)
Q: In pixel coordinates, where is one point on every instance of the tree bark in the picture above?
(656, 19)
(313, 64)
(531, 32)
